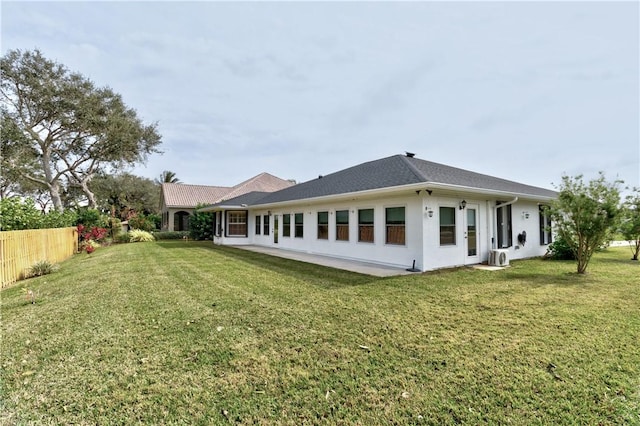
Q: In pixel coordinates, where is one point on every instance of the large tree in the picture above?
(124, 194)
(584, 215)
(69, 129)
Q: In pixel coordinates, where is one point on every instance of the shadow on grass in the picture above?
(319, 275)
(538, 279)
(620, 260)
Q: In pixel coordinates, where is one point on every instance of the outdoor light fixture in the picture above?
(463, 205)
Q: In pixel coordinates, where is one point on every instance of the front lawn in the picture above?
(186, 333)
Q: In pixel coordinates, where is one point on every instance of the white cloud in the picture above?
(523, 91)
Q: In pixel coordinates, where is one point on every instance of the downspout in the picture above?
(495, 214)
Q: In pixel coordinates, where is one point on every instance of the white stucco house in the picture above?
(396, 211)
(178, 201)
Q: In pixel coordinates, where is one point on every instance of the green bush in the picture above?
(141, 222)
(44, 267)
(201, 224)
(560, 250)
(171, 235)
(140, 236)
(155, 219)
(17, 214)
(114, 226)
(122, 237)
(91, 218)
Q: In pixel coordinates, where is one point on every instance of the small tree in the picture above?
(584, 214)
(201, 224)
(630, 225)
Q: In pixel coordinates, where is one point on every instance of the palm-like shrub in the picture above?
(139, 236)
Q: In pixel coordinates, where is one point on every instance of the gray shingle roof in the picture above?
(248, 199)
(398, 170)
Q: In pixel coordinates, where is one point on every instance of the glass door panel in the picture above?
(472, 232)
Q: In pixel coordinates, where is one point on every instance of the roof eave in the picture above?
(218, 207)
(345, 196)
(492, 192)
(410, 187)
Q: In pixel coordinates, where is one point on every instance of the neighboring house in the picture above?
(178, 201)
(395, 211)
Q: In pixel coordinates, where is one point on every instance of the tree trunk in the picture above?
(53, 184)
(84, 184)
(54, 190)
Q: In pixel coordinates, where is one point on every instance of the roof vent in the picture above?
(319, 176)
(410, 154)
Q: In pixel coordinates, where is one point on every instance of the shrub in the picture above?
(44, 267)
(560, 250)
(171, 235)
(91, 218)
(17, 214)
(201, 224)
(139, 236)
(56, 219)
(114, 226)
(141, 222)
(88, 239)
(155, 219)
(123, 237)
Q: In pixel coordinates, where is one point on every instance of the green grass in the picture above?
(185, 333)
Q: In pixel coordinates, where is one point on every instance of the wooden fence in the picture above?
(20, 250)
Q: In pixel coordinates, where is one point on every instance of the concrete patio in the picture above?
(332, 262)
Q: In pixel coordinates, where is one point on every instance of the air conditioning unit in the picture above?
(499, 257)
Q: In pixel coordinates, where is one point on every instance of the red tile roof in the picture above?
(188, 196)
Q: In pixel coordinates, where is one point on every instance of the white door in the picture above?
(470, 221)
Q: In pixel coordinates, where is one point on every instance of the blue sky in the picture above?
(523, 91)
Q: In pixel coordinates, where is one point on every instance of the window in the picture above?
(299, 225)
(447, 226)
(265, 223)
(218, 224)
(286, 225)
(503, 215)
(342, 225)
(258, 227)
(545, 225)
(237, 224)
(394, 220)
(323, 225)
(365, 225)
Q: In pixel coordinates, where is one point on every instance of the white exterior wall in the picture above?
(377, 252)
(531, 225)
(445, 256)
(422, 232)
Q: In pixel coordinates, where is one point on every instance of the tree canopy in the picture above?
(584, 214)
(124, 194)
(63, 129)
